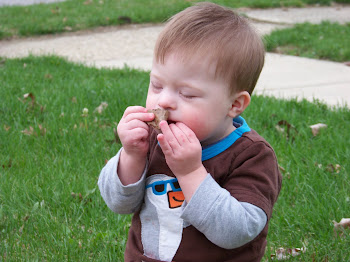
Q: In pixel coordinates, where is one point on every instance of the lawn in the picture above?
(51, 154)
(73, 15)
(327, 41)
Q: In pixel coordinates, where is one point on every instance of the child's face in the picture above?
(192, 95)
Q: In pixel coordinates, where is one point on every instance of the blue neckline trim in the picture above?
(220, 146)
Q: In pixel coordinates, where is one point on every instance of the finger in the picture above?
(168, 134)
(144, 117)
(166, 148)
(190, 135)
(134, 109)
(180, 136)
(135, 123)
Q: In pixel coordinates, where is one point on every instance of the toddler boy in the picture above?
(204, 188)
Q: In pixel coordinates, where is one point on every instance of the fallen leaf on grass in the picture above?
(341, 226)
(285, 253)
(124, 19)
(315, 129)
(28, 132)
(31, 96)
(7, 128)
(48, 76)
(42, 130)
(57, 10)
(32, 103)
(284, 126)
(101, 107)
(8, 165)
(334, 168)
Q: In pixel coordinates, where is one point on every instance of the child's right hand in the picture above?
(134, 132)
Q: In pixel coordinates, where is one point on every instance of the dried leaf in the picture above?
(7, 128)
(31, 96)
(124, 19)
(74, 100)
(42, 130)
(315, 129)
(334, 168)
(101, 107)
(48, 76)
(347, 63)
(88, 2)
(28, 132)
(285, 253)
(283, 126)
(57, 10)
(341, 226)
(8, 165)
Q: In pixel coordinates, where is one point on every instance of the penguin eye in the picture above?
(159, 188)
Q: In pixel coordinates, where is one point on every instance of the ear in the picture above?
(240, 101)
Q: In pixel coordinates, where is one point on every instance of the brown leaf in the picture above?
(6, 127)
(48, 76)
(88, 2)
(285, 253)
(315, 129)
(42, 130)
(57, 10)
(124, 19)
(8, 165)
(333, 168)
(101, 107)
(284, 126)
(31, 96)
(341, 226)
(347, 63)
(28, 132)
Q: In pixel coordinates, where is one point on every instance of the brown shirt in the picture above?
(248, 169)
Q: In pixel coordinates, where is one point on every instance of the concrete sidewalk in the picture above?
(132, 45)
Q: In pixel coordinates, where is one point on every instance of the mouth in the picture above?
(171, 122)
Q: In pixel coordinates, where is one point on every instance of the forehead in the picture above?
(186, 64)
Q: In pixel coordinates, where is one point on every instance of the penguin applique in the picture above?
(161, 224)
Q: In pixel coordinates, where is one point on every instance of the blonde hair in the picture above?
(208, 29)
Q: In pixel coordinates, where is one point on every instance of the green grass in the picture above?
(329, 41)
(51, 208)
(74, 15)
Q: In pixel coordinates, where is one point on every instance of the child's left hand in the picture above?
(181, 147)
(183, 154)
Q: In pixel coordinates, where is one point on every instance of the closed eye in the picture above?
(156, 87)
(188, 96)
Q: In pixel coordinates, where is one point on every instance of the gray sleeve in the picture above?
(224, 220)
(119, 198)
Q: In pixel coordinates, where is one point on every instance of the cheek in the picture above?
(198, 124)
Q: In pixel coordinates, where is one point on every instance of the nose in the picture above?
(167, 100)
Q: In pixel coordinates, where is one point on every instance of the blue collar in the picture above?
(220, 146)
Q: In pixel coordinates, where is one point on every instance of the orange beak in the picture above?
(175, 199)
